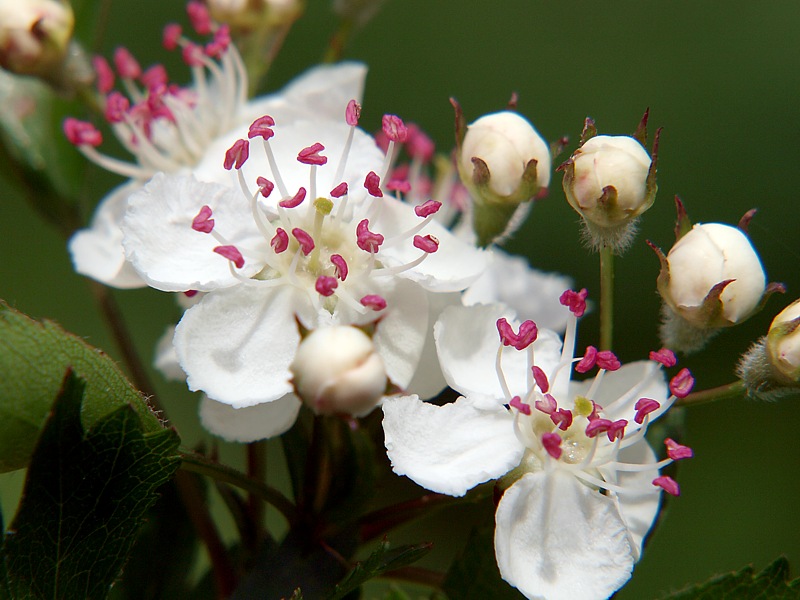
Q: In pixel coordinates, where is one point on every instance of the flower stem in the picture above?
(197, 463)
(606, 297)
(728, 391)
(257, 471)
(338, 41)
(420, 575)
(380, 521)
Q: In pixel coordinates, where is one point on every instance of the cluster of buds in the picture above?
(610, 181)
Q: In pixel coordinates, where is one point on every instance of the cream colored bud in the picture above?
(506, 143)
(34, 35)
(706, 256)
(248, 15)
(783, 341)
(337, 370)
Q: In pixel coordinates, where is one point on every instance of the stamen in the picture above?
(352, 113)
(295, 200)
(81, 133)
(682, 383)
(427, 244)
(516, 402)
(339, 191)
(551, 442)
(596, 426)
(562, 418)
(528, 332)
(203, 221)
(588, 361)
(373, 301)
(665, 356)
(394, 128)
(311, 155)
(644, 406)
(501, 377)
(199, 17)
(547, 405)
(280, 242)
(668, 484)
(232, 254)
(373, 184)
(428, 208)
(171, 37)
(304, 239)
(575, 301)
(265, 186)
(326, 285)
(366, 239)
(540, 378)
(341, 266)
(608, 361)
(237, 154)
(677, 451)
(105, 76)
(126, 65)
(617, 430)
(261, 127)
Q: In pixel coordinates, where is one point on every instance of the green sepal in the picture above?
(683, 224)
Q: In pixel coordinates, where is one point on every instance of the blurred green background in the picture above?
(723, 79)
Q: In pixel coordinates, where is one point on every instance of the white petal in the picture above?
(166, 360)
(452, 448)
(171, 256)
(557, 539)
(530, 293)
(97, 250)
(251, 423)
(237, 344)
(453, 267)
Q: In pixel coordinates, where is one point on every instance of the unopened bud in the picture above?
(337, 370)
(783, 342)
(34, 35)
(250, 15)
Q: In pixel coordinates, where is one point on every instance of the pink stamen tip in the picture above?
(280, 241)
(154, 77)
(219, 45)
(366, 239)
(190, 293)
(596, 426)
(398, 185)
(117, 106)
(373, 184)
(373, 301)
(304, 239)
(682, 383)
(339, 191)
(540, 378)
(427, 243)
(325, 285)
(516, 402)
(172, 34)
(428, 208)
(237, 154)
(419, 145)
(551, 442)
(261, 127)
(588, 361)
(668, 484)
(596, 409)
(575, 301)
(607, 360)
(311, 155)
(617, 430)
(203, 221)
(528, 333)
(548, 405)
(126, 65)
(562, 418)
(295, 200)
(199, 17)
(394, 128)
(644, 406)
(81, 133)
(265, 186)
(232, 254)
(339, 262)
(105, 76)
(352, 113)
(665, 356)
(192, 55)
(677, 451)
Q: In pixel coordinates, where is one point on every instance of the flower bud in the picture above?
(34, 35)
(337, 370)
(249, 15)
(783, 342)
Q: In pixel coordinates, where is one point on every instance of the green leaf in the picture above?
(85, 496)
(33, 359)
(381, 560)
(770, 584)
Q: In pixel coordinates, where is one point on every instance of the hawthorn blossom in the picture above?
(302, 238)
(169, 128)
(581, 484)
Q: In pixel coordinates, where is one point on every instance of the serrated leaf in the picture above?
(381, 560)
(770, 584)
(33, 358)
(85, 496)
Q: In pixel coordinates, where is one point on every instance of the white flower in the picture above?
(180, 129)
(582, 478)
(314, 243)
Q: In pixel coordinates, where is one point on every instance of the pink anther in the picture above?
(516, 402)
(340, 264)
(607, 360)
(373, 301)
(199, 17)
(280, 241)
(596, 426)
(155, 76)
(126, 65)
(261, 127)
(116, 107)
(304, 239)
(325, 285)
(575, 301)
(295, 200)
(203, 221)
(418, 144)
(394, 128)
(105, 76)
(190, 293)
(562, 418)
(373, 184)
(81, 133)
(219, 45)
(540, 378)
(682, 383)
(617, 430)
(427, 243)
(644, 406)
(665, 356)
(193, 54)
(237, 154)
(232, 254)
(398, 185)
(311, 155)
(339, 191)
(428, 208)
(588, 361)
(352, 113)
(171, 37)
(265, 186)
(528, 333)
(551, 442)
(547, 405)
(677, 451)
(668, 484)
(366, 239)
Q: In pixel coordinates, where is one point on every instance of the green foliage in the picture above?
(33, 359)
(85, 496)
(770, 584)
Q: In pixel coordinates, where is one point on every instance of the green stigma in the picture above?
(324, 206)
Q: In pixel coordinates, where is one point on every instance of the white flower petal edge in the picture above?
(452, 448)
(251, 423)
(166, 359)
(556, 538)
